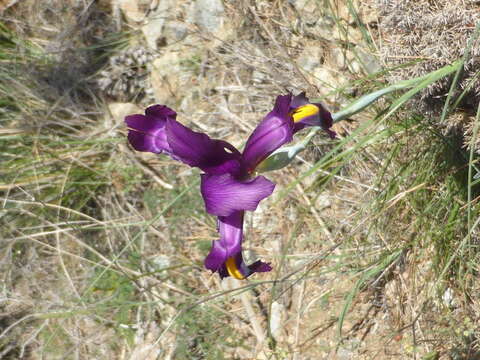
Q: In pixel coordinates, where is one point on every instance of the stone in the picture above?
(370, 63)
(208, 15)
(307, 9)
(311, 57)
(325, 28)
(120, 110)
(276, 320)
(157, 23)
(323, 201)
(339, 57)
(165, 76)
(355, 67)
(326, 79)
(175, 31)
(132, 10)
(4, 5)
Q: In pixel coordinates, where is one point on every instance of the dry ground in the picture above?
(372, 236)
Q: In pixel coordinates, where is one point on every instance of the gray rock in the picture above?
(276, 320)
(166, 75)
(175, 31)
(310, 58)
(157, 23)
(208, 15)
(369, 62)
(339, 57)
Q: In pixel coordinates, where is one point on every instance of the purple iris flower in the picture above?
(229, 186)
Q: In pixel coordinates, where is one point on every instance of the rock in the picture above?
(276, 320)
(4, 5)
(307, 9)
(339, 57)
(355, 67)
(159, 263)
(175, 31)
(311, 57)
(370, 63)
(156, 30)
(153, 31)
(344, 354)
(325, 28)
(165, 76)
(326, 79)
(208, 15)
(120, 110)
(323, 201)
(311, 62)
(448, 298)
(132, 10)
(348, 350)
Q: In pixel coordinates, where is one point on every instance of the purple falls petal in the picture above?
(326, 121)
(260, 266)
(275, 130)
(223, 194)
(244, 269)
(230, 242)
(216, 257)
(199, 150)
(147, 132)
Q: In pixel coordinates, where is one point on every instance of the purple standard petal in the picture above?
(236, 267)
(230, 243)
(199, 150)
(299, 100)
(306, 114)
(161, 111)
(275, 130)
(223, 194)
(147, 132)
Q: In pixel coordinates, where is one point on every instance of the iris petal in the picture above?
(199, 150)
(237, 268)
(223, 194)
(275, 130)
(216, 257)
(160, 111)
(147, 132)
(230, 243)
(299, 100)
(322, 118)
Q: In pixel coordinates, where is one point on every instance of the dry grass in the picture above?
(374, 250)
(429, 35)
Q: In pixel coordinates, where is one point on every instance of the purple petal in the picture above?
(260, 266)
(299, 100)
(147, 132)
(199, 150)
(161, 111)
(230, 243)
(216, 257)
(237, 268)
(275, 130)
(321, 117)
(223, 195)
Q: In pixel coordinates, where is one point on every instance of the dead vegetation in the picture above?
(103, 247)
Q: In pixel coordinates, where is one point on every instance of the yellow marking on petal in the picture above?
(233, 269)
(304, 111)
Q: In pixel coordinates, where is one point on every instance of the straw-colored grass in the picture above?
(373, 237)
